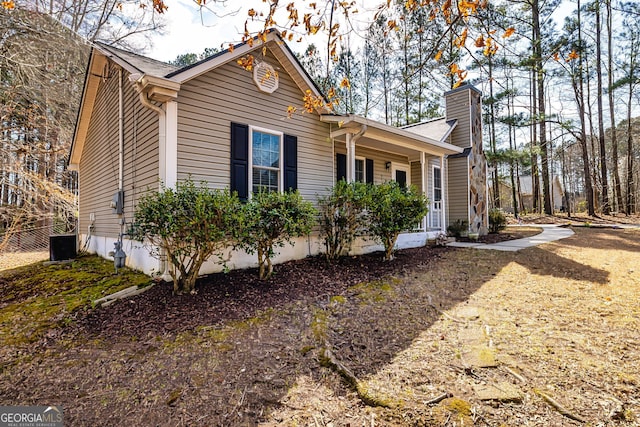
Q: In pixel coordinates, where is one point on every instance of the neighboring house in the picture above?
(143, 123)
(524, 194)
(525, 184)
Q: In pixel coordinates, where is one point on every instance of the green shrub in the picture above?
(189, 224)
(391, 210)
(271, 220)
(342, 217)
(497, 220)
(458, 228)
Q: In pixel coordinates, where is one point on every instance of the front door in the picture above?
(400, 175)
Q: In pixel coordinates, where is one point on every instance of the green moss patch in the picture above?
(41, 296)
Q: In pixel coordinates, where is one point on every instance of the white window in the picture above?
(265, 170)
(360, 169)
(437, 184)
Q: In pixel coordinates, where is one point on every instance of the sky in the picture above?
(188, 30)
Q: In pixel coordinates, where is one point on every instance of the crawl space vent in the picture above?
(265, 77)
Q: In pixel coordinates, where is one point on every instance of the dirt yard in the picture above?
(18, 259)
(549, 336)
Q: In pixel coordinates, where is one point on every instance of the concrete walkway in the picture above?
(550, 233)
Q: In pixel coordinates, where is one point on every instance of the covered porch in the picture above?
(373, 152)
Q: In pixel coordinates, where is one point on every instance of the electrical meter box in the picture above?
(117, 203)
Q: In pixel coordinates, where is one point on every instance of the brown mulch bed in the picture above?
(510, 233)
(239, 295)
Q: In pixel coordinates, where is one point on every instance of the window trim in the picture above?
(433, 182)
(280, 168)
(403, 167)
(364, 169)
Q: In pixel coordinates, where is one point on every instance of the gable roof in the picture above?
(150, 74)
(135, 63)
(383, 132)
(439, 128)
(274, 43)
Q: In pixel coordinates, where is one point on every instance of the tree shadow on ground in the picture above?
(545, 262)
(230, 354)
(622, 239)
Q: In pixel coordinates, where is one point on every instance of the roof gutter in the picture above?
(361, 132)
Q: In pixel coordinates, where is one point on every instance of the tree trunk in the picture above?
(579, 93)
(389, 244)
(406, 73)
(265, 265)
(492, 141)
(535, 178)
(606, 208)
(511, 129)
(630, 190)
(614, 138)
(541, 110)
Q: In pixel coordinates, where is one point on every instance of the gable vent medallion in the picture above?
(265, 77)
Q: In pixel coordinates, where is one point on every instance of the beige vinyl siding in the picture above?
(458, 108)
(98, 174)
(380, 158)
(458, 192)
(416, 175)
(209, 103)
(99, 168)
(141, 139)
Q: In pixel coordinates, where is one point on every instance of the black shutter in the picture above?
(341, 167)
(369, 171)
(240, 160)
(290, 163)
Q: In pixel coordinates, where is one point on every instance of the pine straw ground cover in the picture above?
(559, 323)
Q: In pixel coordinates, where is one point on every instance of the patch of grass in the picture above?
(39, 297)
(306, 349)
(457, 405)
(373, 398)
(375, 292)
(338, 299)
(207, 336)
(455, 409)
(319, 325)
(486, 355)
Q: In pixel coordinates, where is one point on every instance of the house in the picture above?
(143, 123)
(524, 194)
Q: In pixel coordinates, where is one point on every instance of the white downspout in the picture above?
(350, 159)
(351, 153)
(444, 183)
(423, 183)
(120, 132)
(358, 135)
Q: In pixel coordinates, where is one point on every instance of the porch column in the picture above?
(351, 158)
(424, 185)
(444, 174)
